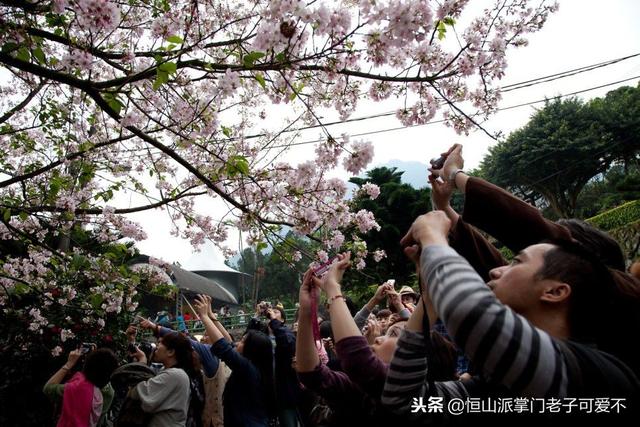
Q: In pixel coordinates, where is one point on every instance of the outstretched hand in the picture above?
(429, 229)
(452, 162)
(333, 277)
(147, 324)
(381, 292)
(307, 290)
(441, 192)
(202, 306)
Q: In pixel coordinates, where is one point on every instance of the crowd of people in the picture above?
(506, 341)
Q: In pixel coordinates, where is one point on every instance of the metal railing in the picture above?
(236, 321)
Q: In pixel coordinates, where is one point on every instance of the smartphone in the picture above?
(323, 268)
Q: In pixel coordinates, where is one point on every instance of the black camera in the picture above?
(131, 348)
(266, 306)
(87, 347)
(437, 162)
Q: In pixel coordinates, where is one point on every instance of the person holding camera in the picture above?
(288, 390)
(248, 398)
(216, 373)
(167, 396)
(87, 395)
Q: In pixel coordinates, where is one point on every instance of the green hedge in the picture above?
(617, 217)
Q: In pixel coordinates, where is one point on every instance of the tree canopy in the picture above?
(564, 146)
(113, 107)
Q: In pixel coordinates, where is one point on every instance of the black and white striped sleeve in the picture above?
(406, 378)
(504, 345)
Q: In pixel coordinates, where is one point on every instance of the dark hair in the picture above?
(597, 242)
(325, 329)
(99, 366)
(259, 350)
(283, 315)
(256, 324)
(442, 359)
(592, 286)
(385, 312)
(187, 359)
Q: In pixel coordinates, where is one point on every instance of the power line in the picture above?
(441, 121)
(507, 88)
(567, 73)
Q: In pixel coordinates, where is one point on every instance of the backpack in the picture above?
(122, 379)
(196, 403)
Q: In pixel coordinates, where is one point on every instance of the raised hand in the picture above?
(441, 192)
(147, 324)
(430, 228)
(333, 277)
(73, 357)
(395, 300)
(454, 161)
(307, 290)
(201, 306)
(372, 330)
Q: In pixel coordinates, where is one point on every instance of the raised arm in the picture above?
(362, 315)
(504, 345)
(493, 210)
(216, 321)
(306, 354)
(59, 375)
(342, 323)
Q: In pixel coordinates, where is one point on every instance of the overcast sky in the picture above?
(581, 33)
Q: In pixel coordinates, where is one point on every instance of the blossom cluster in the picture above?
(158, 104)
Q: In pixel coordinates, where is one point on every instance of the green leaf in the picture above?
(21, 289)
(113, 102)
(23, 54)
(168, 67)
(442, 30)
(175, 39)
(260, 246)
(87, 173)
(161, 78)
(96, 301)
(9, 47)
(237, 165)
(260, 78)
(23, 216)
(38, 54)
(449, 21)
(249, 59)
(7, 214)
(226, 131)
(280, 57)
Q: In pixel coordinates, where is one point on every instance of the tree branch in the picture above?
(21, 105)
(98, 211)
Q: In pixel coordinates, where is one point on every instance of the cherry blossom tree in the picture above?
(171, 99)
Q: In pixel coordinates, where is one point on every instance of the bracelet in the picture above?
(452, 176)
(332, 299)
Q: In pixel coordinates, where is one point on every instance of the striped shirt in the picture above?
(515, 357)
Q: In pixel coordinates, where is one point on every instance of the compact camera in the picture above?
(437, 162)
(87, 347)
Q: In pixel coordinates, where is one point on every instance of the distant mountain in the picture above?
(415, 173)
